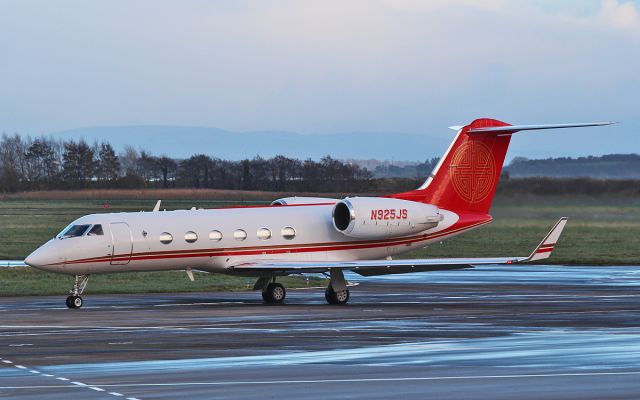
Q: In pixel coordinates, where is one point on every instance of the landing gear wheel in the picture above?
(74, 301)
(274, 293)
(340, 297)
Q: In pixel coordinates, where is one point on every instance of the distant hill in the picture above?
(612, 166)
(183, 142)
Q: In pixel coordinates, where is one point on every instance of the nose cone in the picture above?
(43, 258)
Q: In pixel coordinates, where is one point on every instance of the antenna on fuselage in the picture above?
(157, 207)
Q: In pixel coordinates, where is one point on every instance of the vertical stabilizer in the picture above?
(466, 177)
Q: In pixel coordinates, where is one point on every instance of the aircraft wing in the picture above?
(385, 267)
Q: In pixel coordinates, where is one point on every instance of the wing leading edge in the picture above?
(385, 267)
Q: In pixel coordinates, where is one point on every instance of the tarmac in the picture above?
(525, 332)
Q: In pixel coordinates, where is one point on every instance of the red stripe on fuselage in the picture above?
(282, 249)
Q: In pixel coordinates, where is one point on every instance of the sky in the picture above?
(325, 67)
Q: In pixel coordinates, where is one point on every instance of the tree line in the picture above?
(45, 163)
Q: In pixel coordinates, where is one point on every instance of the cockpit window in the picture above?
(96, 230)
(74, 231)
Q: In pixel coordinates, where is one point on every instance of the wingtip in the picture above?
(546, 247)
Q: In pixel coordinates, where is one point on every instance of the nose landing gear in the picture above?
(74, 300)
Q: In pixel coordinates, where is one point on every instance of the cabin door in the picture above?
(122, 243)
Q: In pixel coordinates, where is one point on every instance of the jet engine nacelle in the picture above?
(377, 218)
(293, 201)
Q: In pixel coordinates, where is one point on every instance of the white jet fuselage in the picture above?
(224, 238)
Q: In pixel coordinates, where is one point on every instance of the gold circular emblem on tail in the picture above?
(473, 171)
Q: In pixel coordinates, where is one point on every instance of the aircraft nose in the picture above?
(40, 258)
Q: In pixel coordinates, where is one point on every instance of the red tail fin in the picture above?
(466, 177)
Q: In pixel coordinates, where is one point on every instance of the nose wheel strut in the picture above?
(74, 300)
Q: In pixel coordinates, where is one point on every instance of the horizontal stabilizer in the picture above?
(516, 128)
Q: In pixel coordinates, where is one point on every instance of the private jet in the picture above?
(305, 235)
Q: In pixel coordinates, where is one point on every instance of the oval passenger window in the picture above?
(288, 233)
(190, 237)
(264, 234)
(239, 234)
(166, 238)
(215, 235)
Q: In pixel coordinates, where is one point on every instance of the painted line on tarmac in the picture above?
(354, 380)
(373, 380)
(72, 384)
(110, 329)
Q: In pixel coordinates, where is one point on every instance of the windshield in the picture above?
(74, 231)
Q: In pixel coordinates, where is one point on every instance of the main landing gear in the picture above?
(272, 291)
(275, 293)
(74, 300)
(337, 292)
(339, 297)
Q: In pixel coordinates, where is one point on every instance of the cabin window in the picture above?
(74, 231)
(190, 237)
(96, 230)
(239, 234)
(264, 234)
(288, 233)
(215, 236)
(166, 238)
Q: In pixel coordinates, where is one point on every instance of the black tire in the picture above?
(274, 293)
(74, 302)
(338, 298)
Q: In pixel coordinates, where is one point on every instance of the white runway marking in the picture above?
(354, 380)
(74, 384)
(373, 380)
(234, 324)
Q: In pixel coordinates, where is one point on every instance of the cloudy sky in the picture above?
(325, 66)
